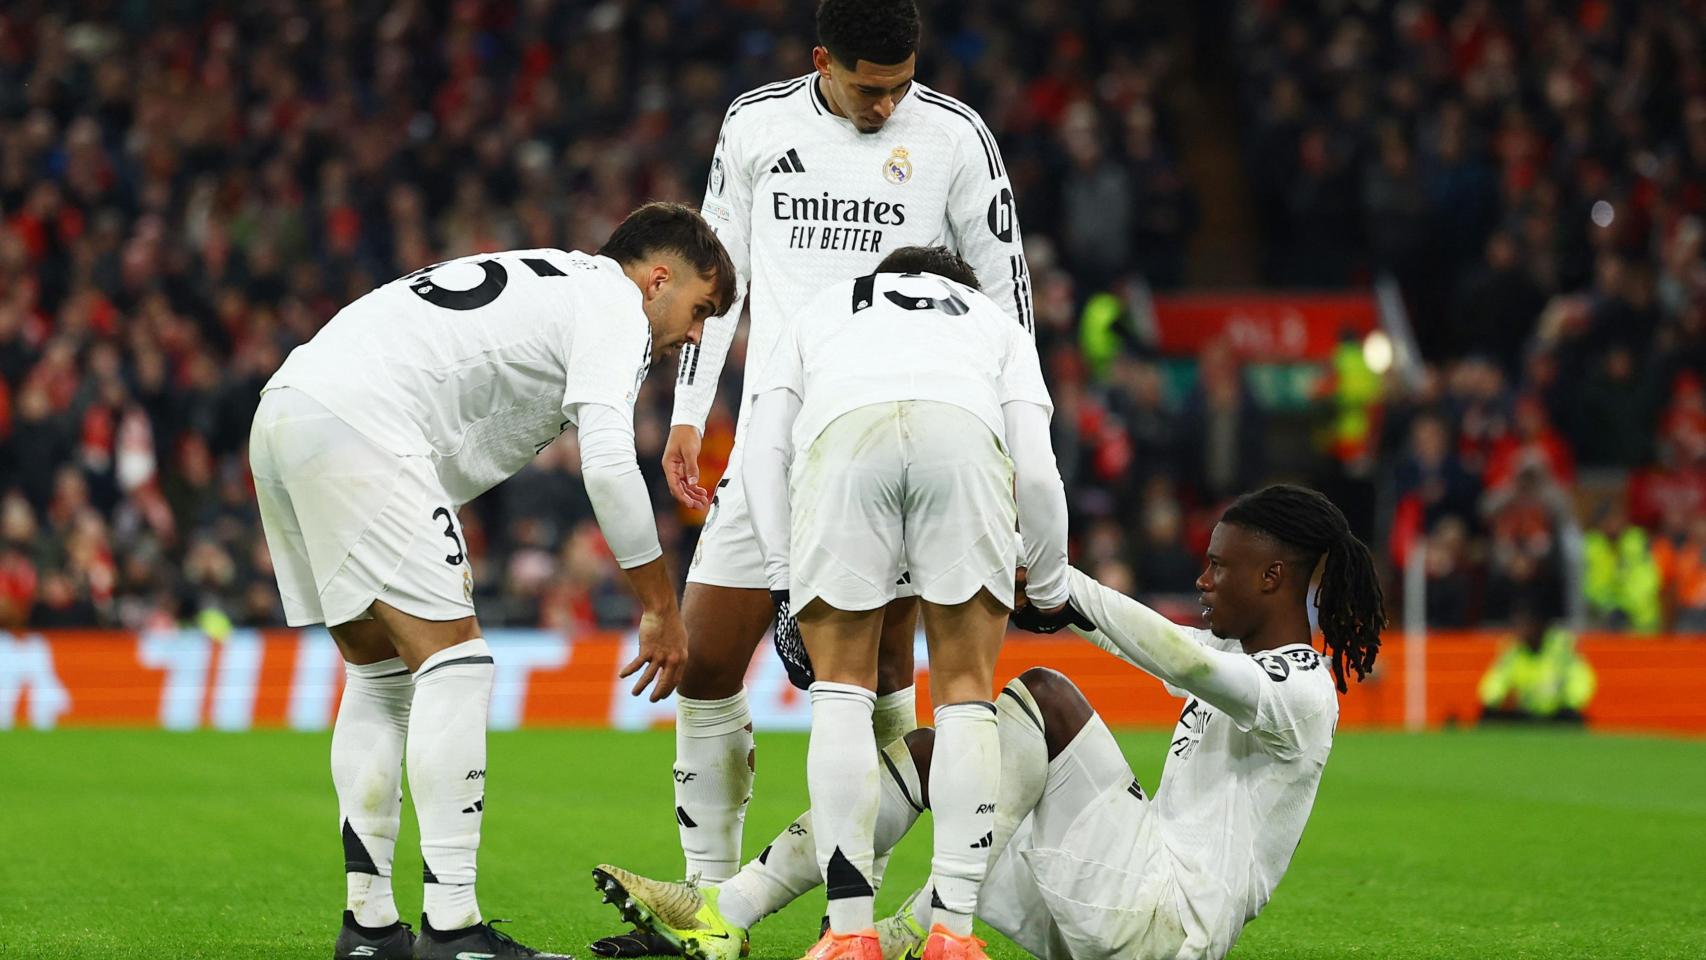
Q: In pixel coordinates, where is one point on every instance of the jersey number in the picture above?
(496, 278)
(864, 290)
(454, 559)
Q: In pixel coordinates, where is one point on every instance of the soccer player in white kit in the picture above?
(814, 179)
(901, 424)
(410, 402)
(1084, 864)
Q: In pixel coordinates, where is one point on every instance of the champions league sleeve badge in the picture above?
(897, 169)
(716, 183)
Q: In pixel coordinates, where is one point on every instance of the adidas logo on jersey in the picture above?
(985, 842)
(789, 163)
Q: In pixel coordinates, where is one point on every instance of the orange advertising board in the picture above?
(184, 680)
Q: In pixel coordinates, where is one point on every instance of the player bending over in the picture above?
(410, 402)
(814, 179)
(1084, 865)
(902, 424)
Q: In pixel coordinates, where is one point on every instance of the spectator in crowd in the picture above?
(1164, 565)
(1431, 472)
(1450, 581)
(1616, 416)
(1226, 447)
(1137, 399)
(1097, 203)
(1682, 564)
(1538, 676)
(1498, 307)
(1622, 578)
(1529, 443)
(1164, 210)
(1526, 518)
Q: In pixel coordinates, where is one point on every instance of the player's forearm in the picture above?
(1041, 501)
(701, 366)
(624, 511)
(653, 586)
(764, 475)
(615, 486)
(1158, 646)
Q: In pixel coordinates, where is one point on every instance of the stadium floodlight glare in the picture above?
(1377, 351)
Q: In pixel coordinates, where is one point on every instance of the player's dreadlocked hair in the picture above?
(937, 260)
(883, 32)
(1349, 600)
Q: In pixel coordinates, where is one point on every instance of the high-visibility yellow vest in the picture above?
(1540, 682)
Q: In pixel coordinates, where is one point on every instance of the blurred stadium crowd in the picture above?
(188, 190)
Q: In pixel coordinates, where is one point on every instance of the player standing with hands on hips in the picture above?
(814, 179)
(410, 402)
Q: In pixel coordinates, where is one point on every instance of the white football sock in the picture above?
(1024, 774)
(965, 776)
(842, 777)
(367, 772)
(1024, 761)
(896, 716)
(787, 869)
(447, 776)
(713, 782)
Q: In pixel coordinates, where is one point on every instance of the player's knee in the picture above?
(921, 743)
(712, 676)
(1064, 708)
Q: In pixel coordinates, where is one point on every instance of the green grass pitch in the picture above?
(1452, 845)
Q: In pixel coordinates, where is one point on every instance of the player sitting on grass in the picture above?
(1084, 865)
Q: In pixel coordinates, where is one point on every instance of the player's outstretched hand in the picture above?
(681, 467)
(663, 652)
(1030, 617)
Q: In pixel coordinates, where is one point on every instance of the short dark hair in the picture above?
(877, 31)
(937, 260)
(674, 228)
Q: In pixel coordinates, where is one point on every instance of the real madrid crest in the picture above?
(897, 169)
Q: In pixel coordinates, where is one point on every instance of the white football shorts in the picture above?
(1086, 876)
(918, 487)
(348, 522)
(728, 554)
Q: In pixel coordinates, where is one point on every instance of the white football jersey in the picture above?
(477, 362)
(887, 337)
(802, 200)
(1236, 792)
